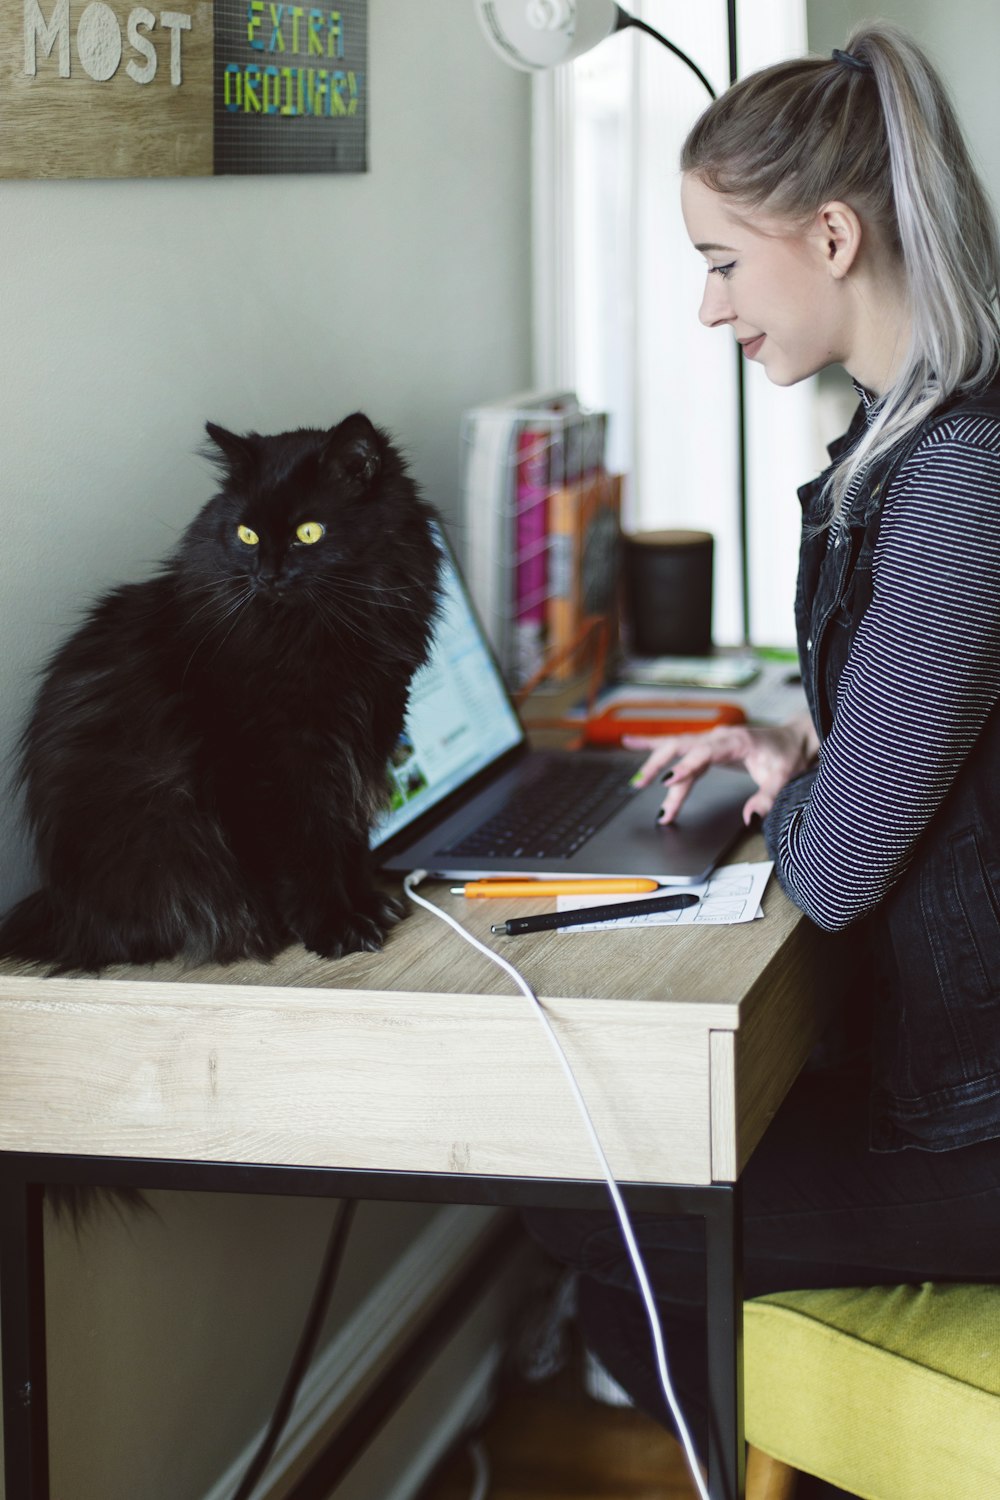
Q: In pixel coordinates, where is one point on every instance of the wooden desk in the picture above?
(410, 1074)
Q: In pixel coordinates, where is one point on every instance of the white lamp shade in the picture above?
(538, 34)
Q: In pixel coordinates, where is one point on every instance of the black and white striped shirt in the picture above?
(921, 679)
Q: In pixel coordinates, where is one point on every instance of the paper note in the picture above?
(731, 894)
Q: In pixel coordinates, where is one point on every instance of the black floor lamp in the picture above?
(538, 34)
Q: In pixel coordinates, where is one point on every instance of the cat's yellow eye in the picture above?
(246, 535)
(310, 531)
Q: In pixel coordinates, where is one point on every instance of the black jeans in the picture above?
(819, 1210)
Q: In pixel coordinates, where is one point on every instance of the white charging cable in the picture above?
(414, 879)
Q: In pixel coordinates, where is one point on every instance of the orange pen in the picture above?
(608, 887)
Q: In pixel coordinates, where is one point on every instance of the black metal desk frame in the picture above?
(22, 1271)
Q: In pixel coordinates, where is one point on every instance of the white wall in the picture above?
(133, 311)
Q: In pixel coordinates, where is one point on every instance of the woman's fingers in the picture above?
(675, 799)
(725, 746)
(663, 751)
(686, 770)
(771, 756)
(720, 747)
(759, 805)
(691, 754)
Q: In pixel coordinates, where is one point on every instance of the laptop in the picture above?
(471, 799)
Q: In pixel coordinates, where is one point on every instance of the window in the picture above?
(617, 289)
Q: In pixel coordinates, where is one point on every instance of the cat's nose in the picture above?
(270, 583)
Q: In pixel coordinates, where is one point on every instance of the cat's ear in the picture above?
(355, 446)
(237, 452)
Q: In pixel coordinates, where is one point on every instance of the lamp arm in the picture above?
(624, 20)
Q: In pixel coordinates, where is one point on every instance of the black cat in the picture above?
(208, 751)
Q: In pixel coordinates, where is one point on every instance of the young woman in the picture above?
(842, 223)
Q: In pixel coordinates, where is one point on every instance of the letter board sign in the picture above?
(112, 88)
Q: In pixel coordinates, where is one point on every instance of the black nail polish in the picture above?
(666, 776)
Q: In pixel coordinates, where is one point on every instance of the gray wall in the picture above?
(963, 41)
(133, 311)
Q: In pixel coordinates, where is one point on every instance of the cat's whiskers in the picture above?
(353, 592)
(334, 620)
(329, 615)
(215, 591)
(212, 586)
(235, 606)
(233, 611)
(348, 580)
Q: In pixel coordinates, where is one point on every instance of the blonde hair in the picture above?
(878, 131)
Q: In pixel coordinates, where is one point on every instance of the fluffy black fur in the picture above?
(208, 750)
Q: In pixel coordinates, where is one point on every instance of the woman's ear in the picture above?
(837, 230)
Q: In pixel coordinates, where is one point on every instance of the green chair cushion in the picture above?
(892, 1393)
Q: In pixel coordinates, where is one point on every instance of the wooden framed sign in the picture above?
(116, 88)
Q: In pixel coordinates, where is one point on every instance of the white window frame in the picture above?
(669, 383)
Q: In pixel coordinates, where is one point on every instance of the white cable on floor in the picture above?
(625, 1222)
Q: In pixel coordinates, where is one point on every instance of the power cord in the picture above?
(306, 1347)
(414, 879)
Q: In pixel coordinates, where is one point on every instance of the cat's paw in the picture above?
(378, 907)
(353, 933)
(363, 929)
(384, 909)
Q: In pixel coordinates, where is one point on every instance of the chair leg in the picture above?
(768, 1478)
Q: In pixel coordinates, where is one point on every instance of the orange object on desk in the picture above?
(650, 716)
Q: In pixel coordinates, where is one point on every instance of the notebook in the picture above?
(471, 799)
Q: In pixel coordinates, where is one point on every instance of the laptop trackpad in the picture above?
(708, 824)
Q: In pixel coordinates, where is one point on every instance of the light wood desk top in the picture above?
(685, 1040)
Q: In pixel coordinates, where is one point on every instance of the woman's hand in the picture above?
(771, 754)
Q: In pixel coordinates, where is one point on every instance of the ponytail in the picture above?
(874, 128)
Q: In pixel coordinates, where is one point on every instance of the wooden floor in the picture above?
(553, 1442)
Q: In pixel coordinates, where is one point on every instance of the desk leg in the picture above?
(723, 1243)
(22, 1314)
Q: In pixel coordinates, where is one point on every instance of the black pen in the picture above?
(587, 914)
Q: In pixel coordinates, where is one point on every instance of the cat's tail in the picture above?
(31, 930)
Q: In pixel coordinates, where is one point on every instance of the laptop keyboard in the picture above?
(552, 813)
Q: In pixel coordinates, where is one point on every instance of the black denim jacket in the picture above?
(936, 936)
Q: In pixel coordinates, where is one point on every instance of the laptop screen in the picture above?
(459, 717)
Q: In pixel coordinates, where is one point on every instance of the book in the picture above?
(531, 548)
(584, 560)
(517, 452)
(489, 501)
(553, 450)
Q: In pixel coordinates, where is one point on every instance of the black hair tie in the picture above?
(848, 60)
